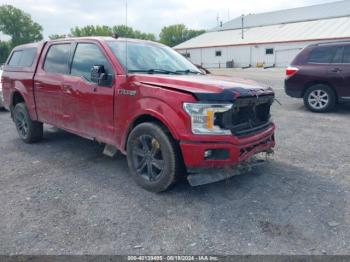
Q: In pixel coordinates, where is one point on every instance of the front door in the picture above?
(339, 72)
(89, 106)
(345, 92)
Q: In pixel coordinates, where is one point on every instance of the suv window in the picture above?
(346, 56)
(322, 55)
(57, 59)
(86, 56)
(338, 56)
(23, 58)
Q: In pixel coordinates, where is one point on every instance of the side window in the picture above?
(22, 58)
(338, 56)
(346, 56)
(15, 58)
(28, 56)
(57, 59)
(269, 51)
(217, 53)
(322, 55)
(86, 56)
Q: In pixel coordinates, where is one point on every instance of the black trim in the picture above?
(247, 116)
(344, 99)
(293, 93)
(231, 94)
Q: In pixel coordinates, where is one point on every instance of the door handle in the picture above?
(336, 70)
(37, 85)
(67, 89)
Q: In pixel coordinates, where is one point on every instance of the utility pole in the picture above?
(242, 26)
(126, 38)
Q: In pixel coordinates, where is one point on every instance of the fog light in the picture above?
(216, 154)
(208, 153)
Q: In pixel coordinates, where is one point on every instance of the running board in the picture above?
(212, 175)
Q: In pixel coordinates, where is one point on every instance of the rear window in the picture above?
(22, 58)
(322, 55)
(57, 59)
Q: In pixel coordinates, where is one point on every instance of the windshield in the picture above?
(151, 58)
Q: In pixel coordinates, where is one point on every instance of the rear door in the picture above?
(320, 63)
(48, 83)
(88, 105)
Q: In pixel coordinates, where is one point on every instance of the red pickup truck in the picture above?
(141, 98)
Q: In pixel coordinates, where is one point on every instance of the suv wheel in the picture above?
(152, 157)
(320, 98)
(29, 131)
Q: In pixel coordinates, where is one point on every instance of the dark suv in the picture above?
(320, 74)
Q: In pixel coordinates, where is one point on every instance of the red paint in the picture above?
(104, 114)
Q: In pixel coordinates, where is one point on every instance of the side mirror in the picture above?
(99, 75)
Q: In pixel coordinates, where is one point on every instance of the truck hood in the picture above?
(207, 87)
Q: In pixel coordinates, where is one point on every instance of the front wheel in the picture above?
(152, 157)
(29, 131)
(320, 98)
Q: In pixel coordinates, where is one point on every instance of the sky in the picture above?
(58, 16)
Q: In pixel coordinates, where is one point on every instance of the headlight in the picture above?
(203, 118)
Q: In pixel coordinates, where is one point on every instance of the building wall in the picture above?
(245, 55)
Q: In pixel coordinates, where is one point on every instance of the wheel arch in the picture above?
(319, 82)
(16, 98)
(149, 118)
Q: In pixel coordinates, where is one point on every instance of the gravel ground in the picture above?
(62, 196)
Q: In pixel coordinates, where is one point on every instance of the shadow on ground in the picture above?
(276, 207)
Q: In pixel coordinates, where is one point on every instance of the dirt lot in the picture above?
(62, 196)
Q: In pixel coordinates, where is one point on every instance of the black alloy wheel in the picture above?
(153, 157)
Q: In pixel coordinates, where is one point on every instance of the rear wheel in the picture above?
(28, 130)
(152, 157)
(320, 98)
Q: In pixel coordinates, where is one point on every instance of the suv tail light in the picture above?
(291, 71)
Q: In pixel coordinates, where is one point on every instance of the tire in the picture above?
(153, 157)
(320, 98)
(28, 130)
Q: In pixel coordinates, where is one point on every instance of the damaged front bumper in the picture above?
(198, 177)
(208, 162)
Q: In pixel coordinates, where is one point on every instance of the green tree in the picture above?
(56, 36)
(176, 34)
(91, 30)
(5, 49)
(120, 30)
(123, 31)
(126, 31)
(19, 26)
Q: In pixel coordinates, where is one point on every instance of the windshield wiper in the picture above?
(188, 71)
(154, 71)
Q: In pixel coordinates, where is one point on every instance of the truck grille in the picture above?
(247, 116)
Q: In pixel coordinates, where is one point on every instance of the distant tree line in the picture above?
(22, 29)
(170, 35)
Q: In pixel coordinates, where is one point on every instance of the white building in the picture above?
(269, 39)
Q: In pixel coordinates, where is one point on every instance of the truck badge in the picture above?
(126, 92)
